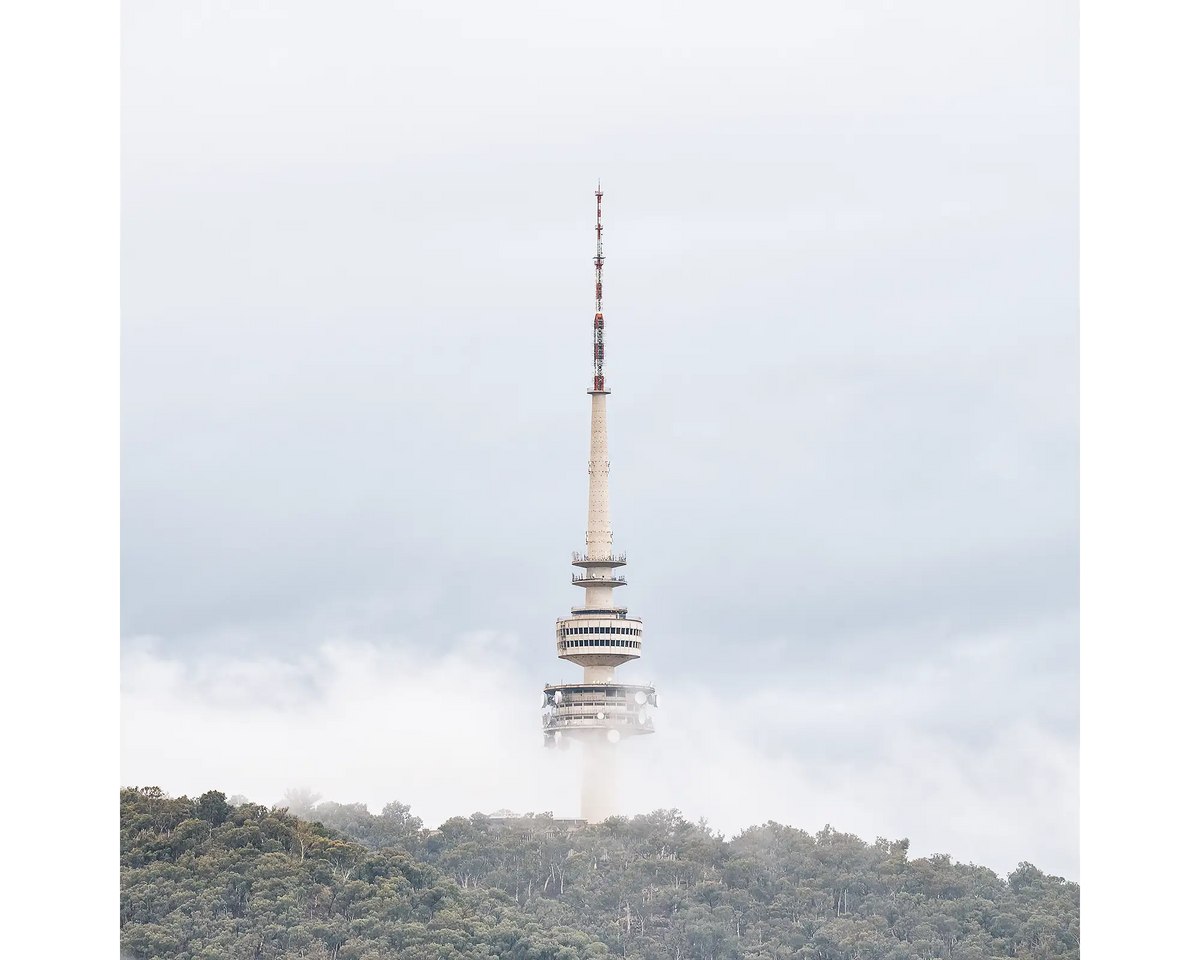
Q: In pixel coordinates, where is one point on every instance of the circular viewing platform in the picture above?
(598, 640)
(582, 560)
(589, 579)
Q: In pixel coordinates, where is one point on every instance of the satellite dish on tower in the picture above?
(640, 697)
(614, 736)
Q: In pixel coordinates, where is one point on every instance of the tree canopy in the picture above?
(208, 878)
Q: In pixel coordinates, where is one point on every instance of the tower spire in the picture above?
(598, 334)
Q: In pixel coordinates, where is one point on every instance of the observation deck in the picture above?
(591, 580)
(582, 560)
(598, 638)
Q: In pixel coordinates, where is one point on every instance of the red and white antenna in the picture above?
(598, 337)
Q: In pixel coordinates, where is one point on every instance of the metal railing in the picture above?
(577, 557)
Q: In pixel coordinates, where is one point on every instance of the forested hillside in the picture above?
(205, 878)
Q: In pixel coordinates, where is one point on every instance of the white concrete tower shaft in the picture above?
(598, 796)
(599, 528)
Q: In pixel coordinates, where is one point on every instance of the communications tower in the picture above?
(599, 635)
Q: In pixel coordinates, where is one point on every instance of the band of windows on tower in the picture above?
(624, 631)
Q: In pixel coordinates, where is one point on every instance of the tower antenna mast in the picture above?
(598, 336)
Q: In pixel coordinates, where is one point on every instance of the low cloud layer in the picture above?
(934, 752)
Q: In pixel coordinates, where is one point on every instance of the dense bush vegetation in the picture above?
(205, 878)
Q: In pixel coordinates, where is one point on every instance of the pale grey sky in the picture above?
(843, 348)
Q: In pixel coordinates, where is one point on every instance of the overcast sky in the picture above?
(843, 346)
